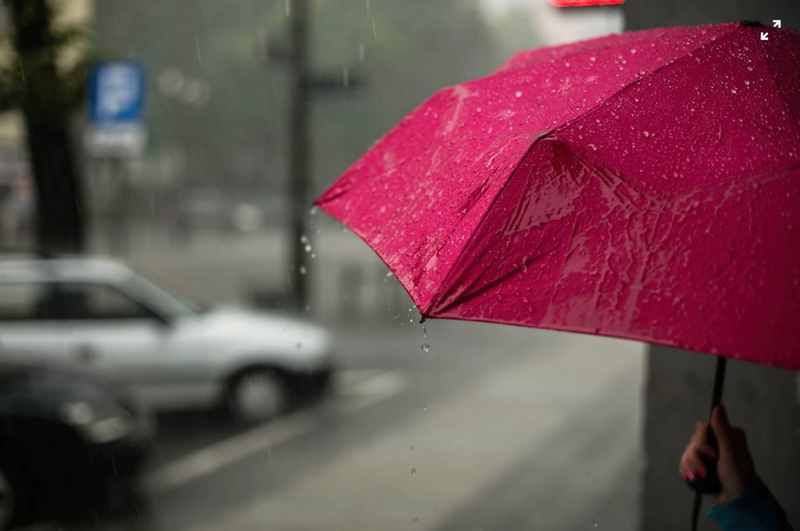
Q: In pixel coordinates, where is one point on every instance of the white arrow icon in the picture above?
(776, 23)
(764, 36)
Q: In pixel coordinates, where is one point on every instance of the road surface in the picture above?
(492, 428)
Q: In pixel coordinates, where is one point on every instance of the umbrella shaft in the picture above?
(716, 399)
(719, 382)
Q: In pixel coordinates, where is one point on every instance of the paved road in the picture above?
(493, 428)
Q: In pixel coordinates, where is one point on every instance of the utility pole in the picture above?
(60, 222)
(299, 159)
(304, 83)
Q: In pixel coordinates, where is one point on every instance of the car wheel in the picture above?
(12, 497)
(256, 396)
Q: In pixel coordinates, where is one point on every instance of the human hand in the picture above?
(732, 456)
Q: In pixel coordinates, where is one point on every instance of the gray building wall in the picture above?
(678, 388)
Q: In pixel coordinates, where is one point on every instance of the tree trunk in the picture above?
(60, 223)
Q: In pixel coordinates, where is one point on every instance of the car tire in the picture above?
(256, 395)
(14, 494)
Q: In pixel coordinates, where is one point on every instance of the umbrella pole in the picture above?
(716, 399)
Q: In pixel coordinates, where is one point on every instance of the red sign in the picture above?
(586, 3)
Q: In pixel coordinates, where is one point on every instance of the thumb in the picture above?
(722, 430)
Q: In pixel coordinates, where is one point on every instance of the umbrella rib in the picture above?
(445, 282)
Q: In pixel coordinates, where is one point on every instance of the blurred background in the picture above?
(339, 410)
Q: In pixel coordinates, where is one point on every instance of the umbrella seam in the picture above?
(437, 297)
(551, 133)
(592, 110)
(503, 68)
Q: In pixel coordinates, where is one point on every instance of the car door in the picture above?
(26, 327)
(118, 336)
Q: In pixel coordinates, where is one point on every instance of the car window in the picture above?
(18, 301)
(88, 302)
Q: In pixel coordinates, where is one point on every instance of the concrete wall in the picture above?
(641, 14)
(678, 387)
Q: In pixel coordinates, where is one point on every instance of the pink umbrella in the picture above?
(642, 186)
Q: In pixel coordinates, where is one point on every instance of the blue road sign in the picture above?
(116, 93)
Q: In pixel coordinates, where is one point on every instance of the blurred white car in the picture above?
(100, 314)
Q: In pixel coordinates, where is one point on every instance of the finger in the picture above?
(706, 450)
(700, 435)
(722, 430)
(693, 466)
(739, 441)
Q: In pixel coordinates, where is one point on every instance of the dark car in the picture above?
(67, 441)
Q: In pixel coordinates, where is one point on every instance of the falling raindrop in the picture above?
(389, 274)
(362, 52)
(426, 347)
(313, 211)
(413, 471)
(595, 524)
(303, 270)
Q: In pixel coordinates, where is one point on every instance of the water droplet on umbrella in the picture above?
(646, 134)
(733, 91)
(518, 94)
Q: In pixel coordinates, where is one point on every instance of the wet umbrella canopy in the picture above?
(643, 185)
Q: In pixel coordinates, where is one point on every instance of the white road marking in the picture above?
(359, 389)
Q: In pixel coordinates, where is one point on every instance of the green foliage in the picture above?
(51, 77)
